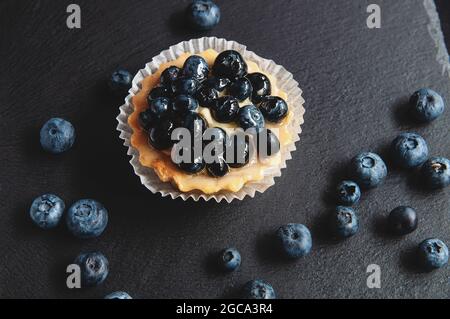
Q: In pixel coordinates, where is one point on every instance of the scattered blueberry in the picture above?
(239, 153)
(344, 221)
(241, 89)
(409, 150)
(219, 84)
(203, 15)
(57, 135)
(87, 218)
(433, 253)
(295, 240)
(186, 86)
(118, 295)
(348, 193)
(160, 108)
(230, 259)
(196, 67)
(46, 210)
(94, 268)
(225, 109)
(159, 91)
(218, 168)
(368, 169)
(206, 96)
(268, 143)
(229, 64)
(436, 172)
(402, 220)
(250, 116)
(258, 289)
(196, 165)
(169, 75)
(426, 105)
(184, 103)
(120, 81)
(147, 119)
(274, 108)
(160, 136)
(261, 86)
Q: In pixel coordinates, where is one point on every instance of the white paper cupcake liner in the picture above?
(285, 82)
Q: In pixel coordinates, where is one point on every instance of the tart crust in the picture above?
(160, 161)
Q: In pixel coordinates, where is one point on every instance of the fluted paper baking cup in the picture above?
(285, 82)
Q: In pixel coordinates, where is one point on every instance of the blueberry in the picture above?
(147, 119)
(368, 169)
(118, 295)
(436, 172)
(273, 108)
(87, 218)
(348, 193)
(206, 96)
(239, 153)
(159, 91)
(57, 135)
(225, 109)
(409, 150)
(268, 143)
(344, 222)
(433, 253)
(194, 122)
(185, 86)
(229, 64)
(169, 75)
(261, 86)
(295, 240)
(229, 259)
(219, 84)
(258, 289)
(426, 105)
(250, 116)
(402, 220)
(203, 15)
(184, 103)
(215, 137)
(94, 268)
(195, 166)
(218, 168)
(160, 108)
(120, 81)
(196, 67)
(160, 136)
(46, 211)
(241, 89)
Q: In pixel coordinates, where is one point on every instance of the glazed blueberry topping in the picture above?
(436, 172)
(273, 108)
(160, 108)
(240, 154)
(196, 67)
(120, 81)
(219, 84)
(194, 166)
(169, 76)
(368, 169)
(94, 268)
(229, 64)
(203, 15)
(229, 259)
(348, 193)
(118, 295)
(219, 168)
(186, 86)
(402, 220)
(258, 289)
(194, 122)
(261, 86)
(46, 211)
(160, 136)
(295, 240)
(344, 222)
(409, 150)
(159, 91)
(215, 140)
(184, 103)
(147, 119)
(426, 105)
(87, 218)
(241, 89)
(225, 109)
(206, 96)
(57, 136)
(433, 253)
(268, 143)
(250, 116)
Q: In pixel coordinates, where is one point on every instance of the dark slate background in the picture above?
(355, 82)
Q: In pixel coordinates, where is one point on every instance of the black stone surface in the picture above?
(355, 82)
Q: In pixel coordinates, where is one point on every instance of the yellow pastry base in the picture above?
(169, 172)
